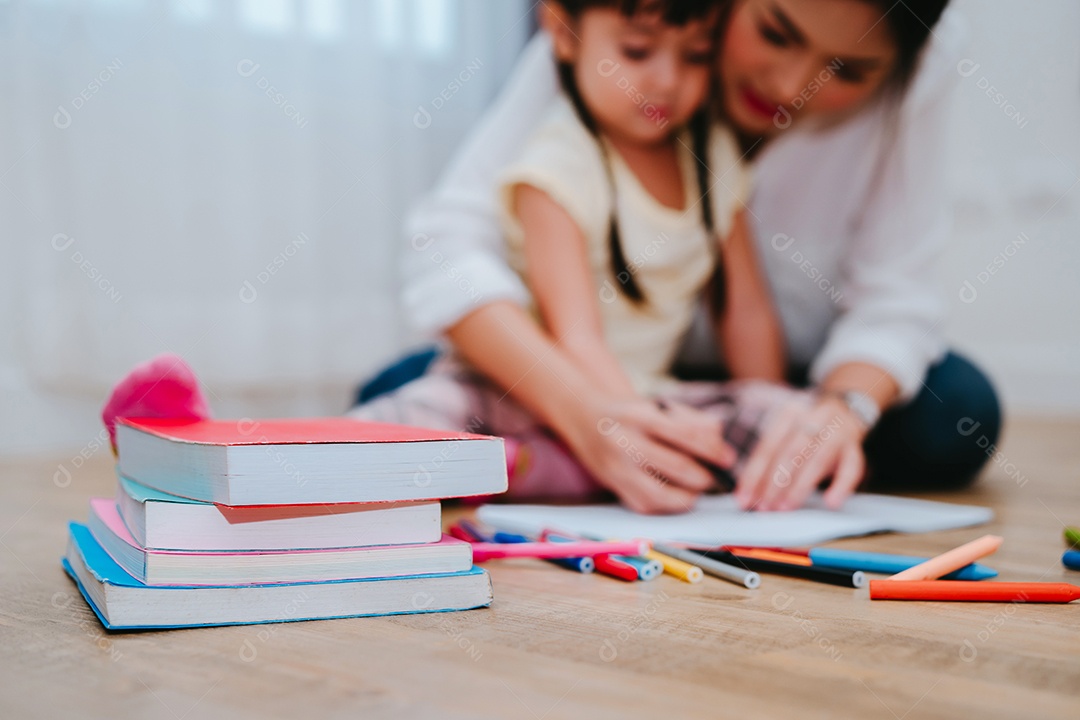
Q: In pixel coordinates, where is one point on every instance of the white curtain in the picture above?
(225, 180)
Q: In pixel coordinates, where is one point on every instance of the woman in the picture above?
(844, 104)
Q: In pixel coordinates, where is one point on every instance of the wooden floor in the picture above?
(560, 645)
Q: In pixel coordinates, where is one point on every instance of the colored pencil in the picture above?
(542, 550)
(773, 555)
(973, 591)
(843, 578)
(584, 565)
(952, 560)
(679, 568)
(1071, 559)
(725, 571)
(888, 564)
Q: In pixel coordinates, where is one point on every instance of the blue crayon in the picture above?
(1071, 558)
(582, 564)
(888, 564)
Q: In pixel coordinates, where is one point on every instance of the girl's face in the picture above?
(782, 60)
(639, 77)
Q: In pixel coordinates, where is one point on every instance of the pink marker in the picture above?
(491, 551)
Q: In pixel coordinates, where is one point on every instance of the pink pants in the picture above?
(452, 396)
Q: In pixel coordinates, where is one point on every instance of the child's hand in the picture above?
(649, 456)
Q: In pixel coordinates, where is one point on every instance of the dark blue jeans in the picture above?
(943, 437)
(940, 440)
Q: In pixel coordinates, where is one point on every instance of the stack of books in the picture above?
(221, 522)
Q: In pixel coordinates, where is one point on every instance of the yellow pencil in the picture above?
(682, 570)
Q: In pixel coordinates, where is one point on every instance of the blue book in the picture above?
(123, 603)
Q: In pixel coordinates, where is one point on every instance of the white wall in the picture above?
(1012, 271)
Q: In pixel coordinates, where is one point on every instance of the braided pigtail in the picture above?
(699, 138)
(620, 269)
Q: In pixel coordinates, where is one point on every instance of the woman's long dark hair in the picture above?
(674, 12)
(911, 23)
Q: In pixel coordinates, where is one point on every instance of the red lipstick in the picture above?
(758, 104)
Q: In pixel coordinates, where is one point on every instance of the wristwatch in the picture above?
(860, 404)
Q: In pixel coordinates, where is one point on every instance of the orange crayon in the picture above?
(974, 591)
(789, 551)
(772, 555)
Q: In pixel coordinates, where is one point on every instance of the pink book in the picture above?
(317, 460)
(177, 567)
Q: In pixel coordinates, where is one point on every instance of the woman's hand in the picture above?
(803, 443)
(650, 457)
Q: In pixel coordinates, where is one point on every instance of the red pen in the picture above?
(615, 568)
(973, 591)
(605, 564)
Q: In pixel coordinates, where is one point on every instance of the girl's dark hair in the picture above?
(673, 12)
(910, 23)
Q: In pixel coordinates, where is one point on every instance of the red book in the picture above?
(317, 460)
(296, 431)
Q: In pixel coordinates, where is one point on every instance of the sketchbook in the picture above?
(717, 520)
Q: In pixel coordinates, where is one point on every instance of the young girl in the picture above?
(611, 214)
(621, 208)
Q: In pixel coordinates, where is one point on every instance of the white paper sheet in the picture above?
(717, 520)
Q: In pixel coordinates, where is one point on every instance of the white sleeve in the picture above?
(892, 304)
(452, 261)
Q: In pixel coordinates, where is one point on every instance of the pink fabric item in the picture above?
(545, 470)
(161, 387)
(541, 469)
